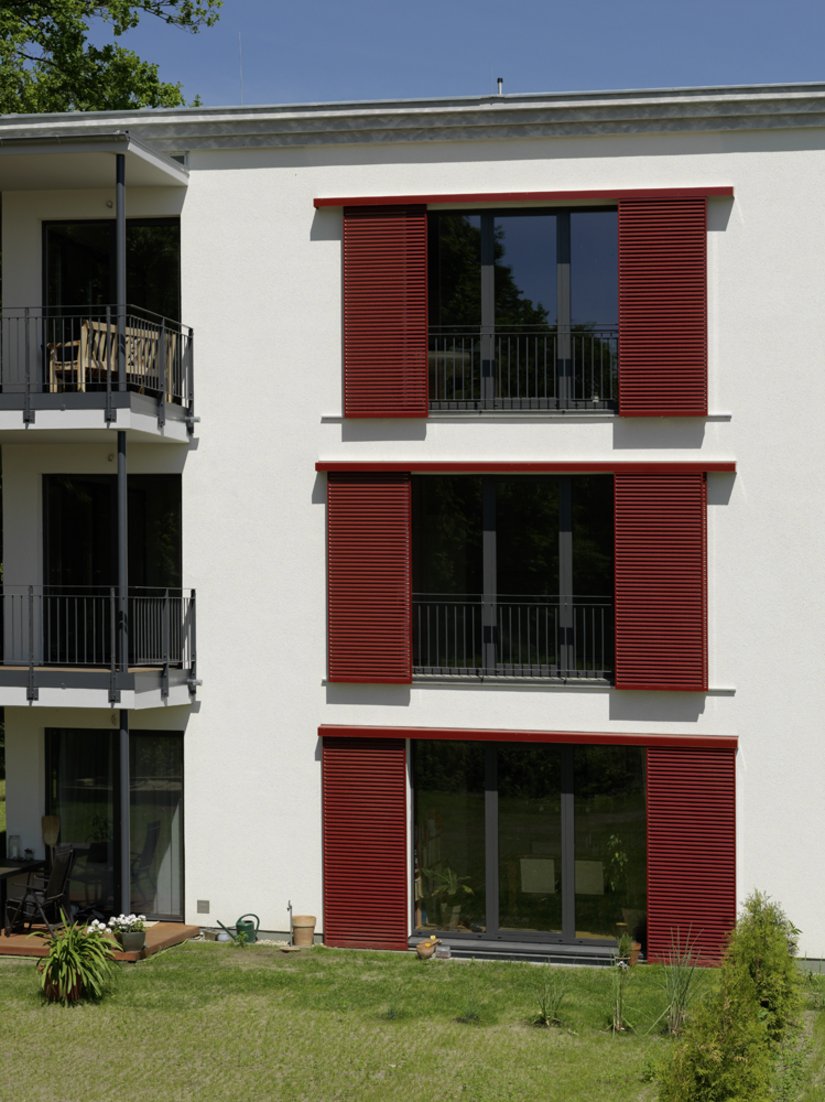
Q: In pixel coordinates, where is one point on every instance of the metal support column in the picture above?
(488, 312)
(566, 622)
(489, 603)
(123, 863)
(564, 354)
(120, 267)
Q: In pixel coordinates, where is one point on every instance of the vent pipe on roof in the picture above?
(500, 83)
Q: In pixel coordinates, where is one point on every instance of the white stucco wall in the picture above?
(261, 281)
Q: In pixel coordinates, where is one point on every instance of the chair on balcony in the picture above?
(42, 899)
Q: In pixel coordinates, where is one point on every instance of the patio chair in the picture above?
(143, 862)
(42, 899)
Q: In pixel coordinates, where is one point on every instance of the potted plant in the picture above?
(130, 931)
(77, 965)
(450, 890)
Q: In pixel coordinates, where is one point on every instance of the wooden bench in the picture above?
(93, 355)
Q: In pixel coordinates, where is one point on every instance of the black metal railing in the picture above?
(79, 626)
(513, 636)
(529, 368)
(76, 350)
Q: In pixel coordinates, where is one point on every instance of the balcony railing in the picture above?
(75, 351)
(524, 369)
(79, 627)
(513, 637)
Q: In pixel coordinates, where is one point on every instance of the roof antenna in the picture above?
(240, 63)
(500, 83)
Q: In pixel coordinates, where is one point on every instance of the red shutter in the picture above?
(691, 850)
(385, 312)
(663, 307)
(369, 577)
(660, 572)
(365, 843)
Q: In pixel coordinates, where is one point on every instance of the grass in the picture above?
(211, 1022)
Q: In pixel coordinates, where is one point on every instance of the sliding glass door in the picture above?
(80, 767)
(529, 842)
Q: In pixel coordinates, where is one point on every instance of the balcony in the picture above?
(56, 637)
(515, 637)
(129, 366)
(528, 368)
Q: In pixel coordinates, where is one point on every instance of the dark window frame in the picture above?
(567, 393)
(51, 736)
(567, 873)
(47, 225)
(567, 624)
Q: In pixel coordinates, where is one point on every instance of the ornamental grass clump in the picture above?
(78, 965)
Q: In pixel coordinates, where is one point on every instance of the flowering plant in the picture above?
(127, 924)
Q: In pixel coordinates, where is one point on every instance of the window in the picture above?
(81, 778)
(532, 308)
(513, 576)
(529, 841)
(523, 310)
(80, 265)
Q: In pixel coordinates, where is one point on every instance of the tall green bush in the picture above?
(762, 948)
(725, 1055)
(730, 1046)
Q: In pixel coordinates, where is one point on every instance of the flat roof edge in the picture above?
(116, 141)
(489, 117)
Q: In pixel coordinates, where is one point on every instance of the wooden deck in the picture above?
(160, 936)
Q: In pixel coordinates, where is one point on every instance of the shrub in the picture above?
(725, 1055)
(732, 1042)
(763, 947)
(78, 965)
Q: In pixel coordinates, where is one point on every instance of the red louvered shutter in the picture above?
(365, 843)
(691, 850)
(660, 580)
(369, 577)
(385, 312)
(663, 307)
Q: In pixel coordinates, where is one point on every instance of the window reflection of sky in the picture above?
(529, 250)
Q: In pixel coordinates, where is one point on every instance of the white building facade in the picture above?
(487, 456)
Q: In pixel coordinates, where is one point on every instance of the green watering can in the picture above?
(248, 929)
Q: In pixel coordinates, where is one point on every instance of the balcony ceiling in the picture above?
(52, 163)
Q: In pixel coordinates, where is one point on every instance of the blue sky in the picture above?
(371, 49)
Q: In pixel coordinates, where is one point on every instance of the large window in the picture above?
(523, 309)
(80, 768)
(513, 576)
(526, 842)
(80, 265)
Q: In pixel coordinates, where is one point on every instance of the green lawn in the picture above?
(212, 1022)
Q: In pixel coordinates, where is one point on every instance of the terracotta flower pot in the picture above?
(425, 949)
(303, 931)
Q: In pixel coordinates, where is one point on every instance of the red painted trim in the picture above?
(486, 197)
(518, 466)
(588, 738)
